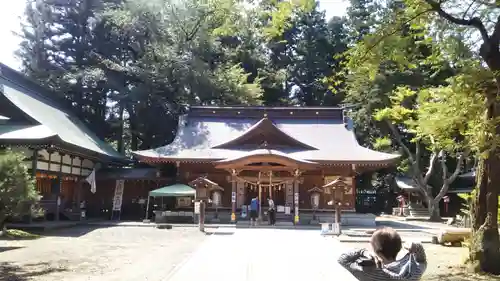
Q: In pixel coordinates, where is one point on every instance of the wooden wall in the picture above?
(69, 166)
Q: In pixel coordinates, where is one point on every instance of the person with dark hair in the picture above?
(381, 263)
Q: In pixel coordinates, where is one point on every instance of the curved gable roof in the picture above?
(198, 136)
(266, 132)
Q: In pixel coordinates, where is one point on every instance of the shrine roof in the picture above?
(263, 153)
(321, 128)
(47, 117)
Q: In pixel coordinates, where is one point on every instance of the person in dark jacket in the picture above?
(381, 263)
(254, 211)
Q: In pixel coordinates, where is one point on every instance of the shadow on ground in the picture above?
(285, 227)
(13, 272)
(400, 225)
(9, 248)
(217, 233)
(75, 232)
(460, 276)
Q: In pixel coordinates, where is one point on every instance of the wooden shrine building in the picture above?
(290, 154)
(60, 150)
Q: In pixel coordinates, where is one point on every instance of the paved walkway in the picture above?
(264, 254)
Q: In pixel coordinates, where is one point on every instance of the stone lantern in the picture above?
(315, 194)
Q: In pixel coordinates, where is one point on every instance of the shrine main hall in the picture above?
(305, 158)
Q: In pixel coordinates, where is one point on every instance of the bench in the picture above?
(452, 236)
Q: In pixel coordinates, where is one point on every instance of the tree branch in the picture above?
(473, 22)
(495, 36)
(468, 8)
(458, 168)
(448, 180)
(432, 164)
(383, 37)
(417, 154)
(399, 140)
(444, 168)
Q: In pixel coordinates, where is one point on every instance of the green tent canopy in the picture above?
(175, 190)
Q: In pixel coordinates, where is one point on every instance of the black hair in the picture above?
(386, 242)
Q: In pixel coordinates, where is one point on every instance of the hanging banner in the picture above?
(117, 200)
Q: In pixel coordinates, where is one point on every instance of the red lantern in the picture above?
(446, 200)
(401, 200)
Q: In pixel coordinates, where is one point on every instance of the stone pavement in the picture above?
(264, 254)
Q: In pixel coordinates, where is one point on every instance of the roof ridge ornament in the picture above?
(264, 144)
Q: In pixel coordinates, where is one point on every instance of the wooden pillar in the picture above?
(59, 186)
(34, 163)
(260, 204)
(354, 193)
(233, 195)
(34, 167)
(202, 216)
(296, 217)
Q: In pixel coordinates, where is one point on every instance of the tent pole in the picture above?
(147, 209)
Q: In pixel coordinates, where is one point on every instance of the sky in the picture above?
(12, 10)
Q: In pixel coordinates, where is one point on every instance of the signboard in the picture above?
(330, 229)
(197, 208)
(233, 197)
(296, 198)
(117, 199)
(281, 209)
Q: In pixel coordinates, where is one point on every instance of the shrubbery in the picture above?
(17, 188)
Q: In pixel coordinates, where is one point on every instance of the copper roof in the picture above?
(50, 118)
(325, 133)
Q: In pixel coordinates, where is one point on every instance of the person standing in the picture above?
(254, 210)
(271, 211)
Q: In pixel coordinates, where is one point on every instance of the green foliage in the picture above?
(129, 67)
(17, 189)
(384, 143)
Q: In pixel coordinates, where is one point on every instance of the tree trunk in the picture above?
(434, 212)
(485, 245)
(121, 132)
(3, 225)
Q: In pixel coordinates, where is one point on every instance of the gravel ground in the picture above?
(147, 253)
(113, 253)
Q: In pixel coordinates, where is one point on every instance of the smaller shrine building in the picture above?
(304, 158)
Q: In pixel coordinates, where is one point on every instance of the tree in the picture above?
(17, 189)
(303, 52)
(59, 38)
(415, 117)
(124, 66)
(454, 29)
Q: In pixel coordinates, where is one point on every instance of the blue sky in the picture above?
(12, 10)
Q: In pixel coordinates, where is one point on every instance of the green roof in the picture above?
(175, 190)
(33, 101)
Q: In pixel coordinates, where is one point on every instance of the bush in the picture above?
(17, 188)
